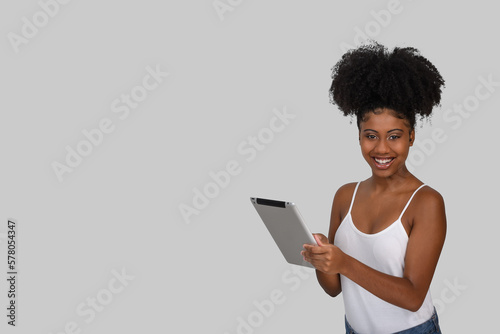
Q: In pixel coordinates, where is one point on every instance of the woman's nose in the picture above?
(382, 147)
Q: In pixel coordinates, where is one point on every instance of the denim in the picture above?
(431, 326)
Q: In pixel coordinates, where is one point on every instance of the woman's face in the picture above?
(385, 142)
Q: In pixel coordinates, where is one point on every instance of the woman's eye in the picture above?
(370, 136)
(394, 137)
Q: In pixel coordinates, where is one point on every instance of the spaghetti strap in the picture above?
(353, 195)
(400, 216)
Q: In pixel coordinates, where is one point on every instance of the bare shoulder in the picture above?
(340, 207)
(346, 190)
(342, 200)
(344, 194)
(429, 198)
(429, 209)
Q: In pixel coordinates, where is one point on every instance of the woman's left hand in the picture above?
(325, 257)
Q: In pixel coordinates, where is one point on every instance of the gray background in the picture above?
(120, 208)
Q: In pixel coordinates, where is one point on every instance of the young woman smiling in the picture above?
(386, 232)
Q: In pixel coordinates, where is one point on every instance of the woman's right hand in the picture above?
(325, 256)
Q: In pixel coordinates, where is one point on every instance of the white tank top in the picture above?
(384, 251)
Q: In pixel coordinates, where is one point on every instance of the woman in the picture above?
(386, 232)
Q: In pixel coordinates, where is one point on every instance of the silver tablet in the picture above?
(284, 222)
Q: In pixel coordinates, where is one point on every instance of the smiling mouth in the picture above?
(383, 162)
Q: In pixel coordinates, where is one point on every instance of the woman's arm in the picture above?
(422, 254)
(331, 282)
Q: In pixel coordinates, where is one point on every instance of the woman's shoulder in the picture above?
(429, 196)
(340, 206)
(346, 191)
(427, 210)
(343, 197)
(427, 205)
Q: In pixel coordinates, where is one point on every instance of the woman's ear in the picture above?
(412, 137)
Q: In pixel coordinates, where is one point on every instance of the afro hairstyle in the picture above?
(370, 77)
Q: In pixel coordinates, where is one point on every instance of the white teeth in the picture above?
(383, 161)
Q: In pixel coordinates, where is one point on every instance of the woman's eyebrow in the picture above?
(377, 131)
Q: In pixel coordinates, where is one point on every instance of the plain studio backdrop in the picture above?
(134, 132)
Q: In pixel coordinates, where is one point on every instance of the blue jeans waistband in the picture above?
(431, 326)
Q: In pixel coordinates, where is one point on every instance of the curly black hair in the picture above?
(370, 77)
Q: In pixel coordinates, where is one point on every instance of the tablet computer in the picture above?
(286, 226)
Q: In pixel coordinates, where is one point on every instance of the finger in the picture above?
(305, 256)
(309, 246)
(321, 239)
(312, 260)
(316, 249)
(315, 263)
